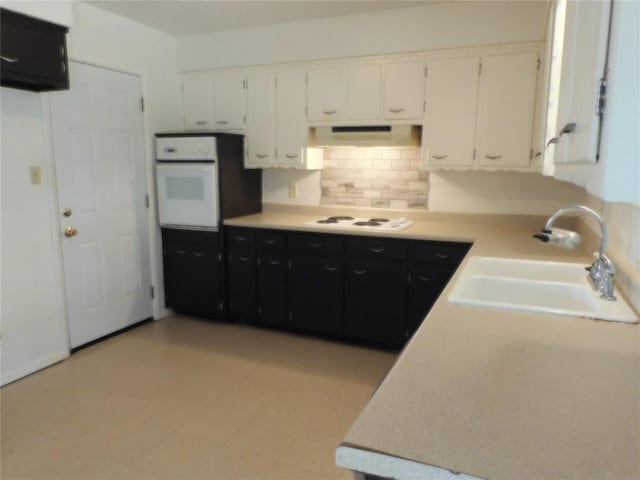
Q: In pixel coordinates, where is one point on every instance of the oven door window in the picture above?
(187, 195)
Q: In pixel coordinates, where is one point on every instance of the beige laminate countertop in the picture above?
(499, 394)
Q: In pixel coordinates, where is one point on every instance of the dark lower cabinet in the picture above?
(315, 290)
(376, 302)
(272, 290)
(193, 272)
(242, 286)
(426, 282)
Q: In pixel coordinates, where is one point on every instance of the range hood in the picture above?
(366, 136)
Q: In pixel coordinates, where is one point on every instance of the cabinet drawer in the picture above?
(316, 244)
(239, 237)
(435, 252)
(270, 240)
(171, 236)
(375, 248)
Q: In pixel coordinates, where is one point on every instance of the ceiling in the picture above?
(181, 18)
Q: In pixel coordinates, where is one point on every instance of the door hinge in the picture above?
(142, 104)
(153, 292)
(539, 62)
(276, 153)
(306, 111)
(306, 79)
(276, 80)
(426, 72)
(474, 154)
(146, 200)
(601, 97)
(244, 84)
(424, 107)
(480, 68)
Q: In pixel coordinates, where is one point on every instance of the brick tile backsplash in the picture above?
(378, 177)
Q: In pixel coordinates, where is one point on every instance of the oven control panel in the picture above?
(186, 148)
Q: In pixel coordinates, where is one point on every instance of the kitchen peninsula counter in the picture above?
(494, 394)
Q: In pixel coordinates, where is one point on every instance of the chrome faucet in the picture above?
(601, 271)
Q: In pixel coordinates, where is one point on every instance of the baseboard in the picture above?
(39, 364)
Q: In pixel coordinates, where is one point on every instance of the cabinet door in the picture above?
(229, 102)
(198, 103)
(375, 302)
(326, 93)
(506, 109)
(364, 91)
(291, 121)
(242, 286)
(260, 119)
(403, 90)
(583, 63)
(193, 278)
(449, 133)
(272, 289)
(425, 285)
(315, 291)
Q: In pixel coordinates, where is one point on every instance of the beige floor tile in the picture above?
(314, 452)
(229, 464)
(264, 437)
(283, 471)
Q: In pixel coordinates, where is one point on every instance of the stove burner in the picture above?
(379, 220)
(367, 223)
(339, 217)
(328, 220)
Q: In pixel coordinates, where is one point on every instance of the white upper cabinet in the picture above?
(506, 109)
(291, 123)
(326, 93)
(449, 131)
(364, 90)
(260, 119)
(198, 102)
(229, 101)
(403, 90)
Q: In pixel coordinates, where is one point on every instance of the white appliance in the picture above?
(187, 179)
(362, 223)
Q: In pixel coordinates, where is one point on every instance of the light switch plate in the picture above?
(293, 190)
(36, 175)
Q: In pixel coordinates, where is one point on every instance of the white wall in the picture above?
(275, 186)
(33, 321)
(33, 316)
(55, 11)
(500, 192)
(433, 26)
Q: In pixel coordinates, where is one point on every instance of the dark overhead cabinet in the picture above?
(34, 53)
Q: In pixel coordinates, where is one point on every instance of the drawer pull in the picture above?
(439, 157)
(240, 239)
(9, 59)
(201, 123)
(274, 262)
(359, 272)
(262, 155)
(244, 259)
(181, 252)
(315, 244)
(222, 122)
(424, 279)
(269, 242)
(376, 250)
(330, 268)
(493, 157)
(198, 254)
(328, 112)
(396, 110)
(291, 155)
(442, 255)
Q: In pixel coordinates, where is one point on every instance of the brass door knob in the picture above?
(66, 212)
(70, 232)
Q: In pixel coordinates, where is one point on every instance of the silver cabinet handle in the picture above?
(180, 252)
(359, 272)
(330, 269)
(269, 242)
(222, 122)
(439, 157)
(424, 279)
(396, 110)
(328, 112)
(289, 155)
(493, 157)
(315, 244)
(61, 51)
(198, 254)
(9, 59)
(201, 122)
(274, 262)
(240, 239)
(376, 250)
(244, 259)
(442, 255)
(262, 155)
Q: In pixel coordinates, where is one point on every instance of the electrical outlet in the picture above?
(36, 175)
(293, 190)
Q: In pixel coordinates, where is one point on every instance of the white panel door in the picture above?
(364, 91)
(291, 123)
(197, 95)
(506, 109)
(229, 102)
(99, 156)
(403, 90)
(451, 96)
(326, 93)
(260, 119)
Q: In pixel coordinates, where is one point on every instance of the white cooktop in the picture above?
(362, 223)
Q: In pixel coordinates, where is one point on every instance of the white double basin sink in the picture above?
(535, 286)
